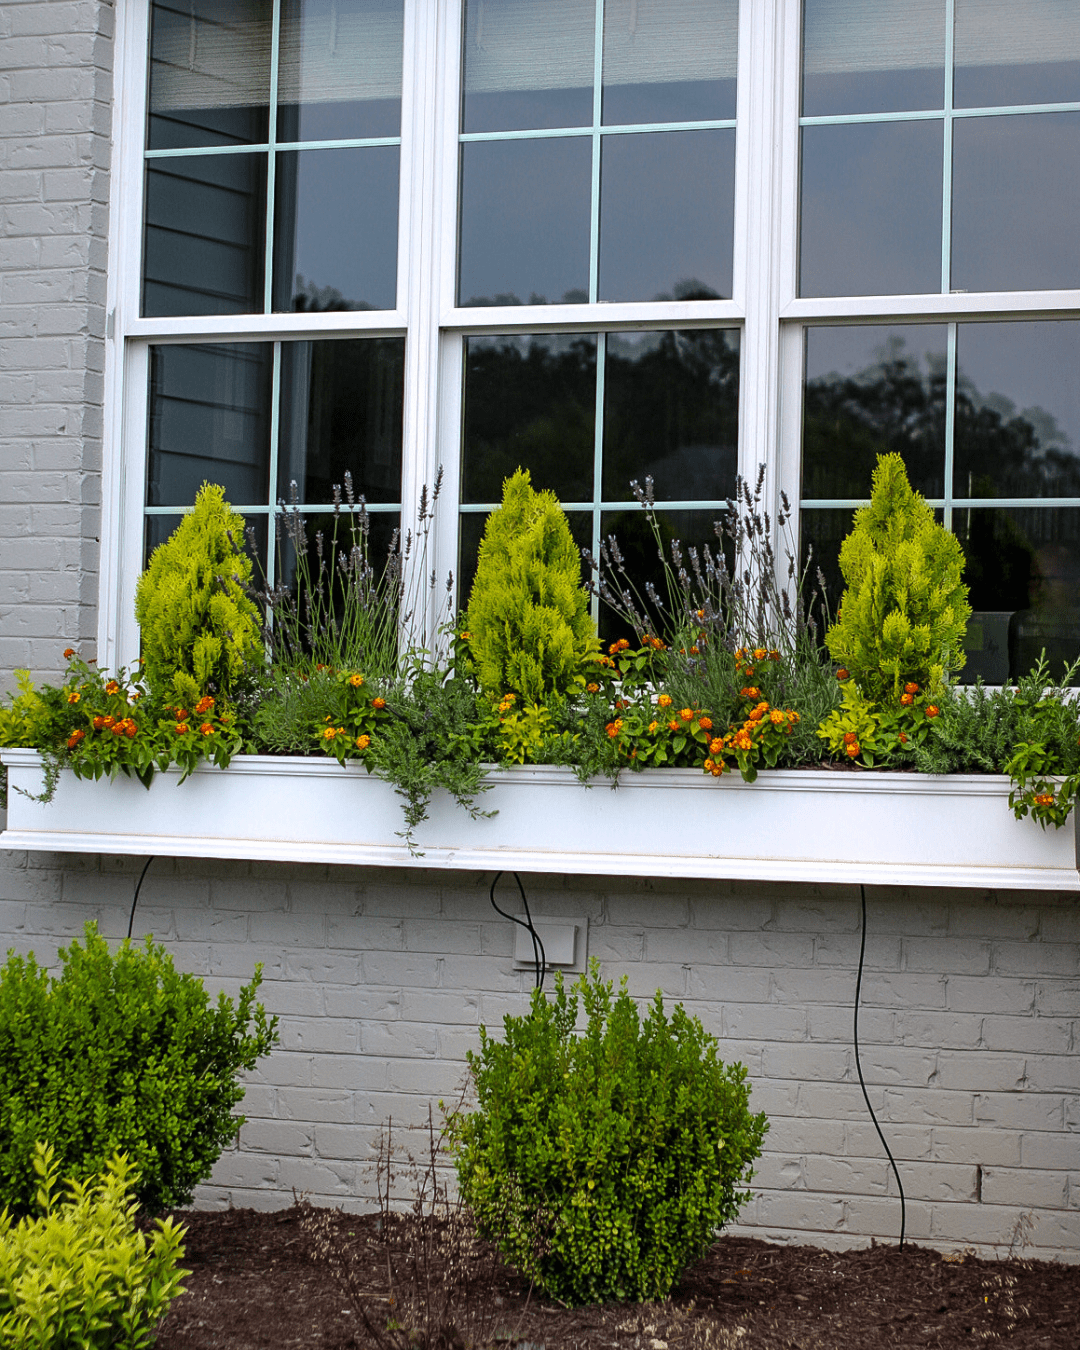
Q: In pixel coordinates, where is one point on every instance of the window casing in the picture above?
(771, 324)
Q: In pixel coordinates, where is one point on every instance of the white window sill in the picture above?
(810, 825)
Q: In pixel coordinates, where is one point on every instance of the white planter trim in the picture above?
(809, 825)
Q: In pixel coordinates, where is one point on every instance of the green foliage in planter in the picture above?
(120, 1052)
(81, 1276)
(602, 1164)
(531, 631)
(904, 612)
(200, 630)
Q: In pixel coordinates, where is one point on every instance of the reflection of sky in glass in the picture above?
(871, 209)
(1016, 201)
(525, 221)
(1007, 54)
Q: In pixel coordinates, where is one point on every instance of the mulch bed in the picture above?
(257, 1282)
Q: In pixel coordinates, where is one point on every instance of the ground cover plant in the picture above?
(80, 1274)
(120, 1052)
(734, 664)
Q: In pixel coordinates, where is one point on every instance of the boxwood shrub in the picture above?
(603, 1163)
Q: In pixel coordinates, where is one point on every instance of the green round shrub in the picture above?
(602, 1164)
(120, 1053)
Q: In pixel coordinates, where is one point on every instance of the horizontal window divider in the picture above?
(359, 143)
(1015, 109)
(714, 504)
(606, 316)
(957, 503)
(309, 508)
(631, 129)
(270, 327)
(955, 305)
(929, 114)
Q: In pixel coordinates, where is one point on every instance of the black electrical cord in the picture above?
(862, 1084)
(539, 955)
(138, 888)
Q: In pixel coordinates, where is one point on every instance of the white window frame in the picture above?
(764, 307)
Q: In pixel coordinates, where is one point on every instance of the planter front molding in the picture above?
(791, 825)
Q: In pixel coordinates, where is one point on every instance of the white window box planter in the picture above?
(791, 825)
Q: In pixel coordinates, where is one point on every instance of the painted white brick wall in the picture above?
(55, 111)
(971, 1013)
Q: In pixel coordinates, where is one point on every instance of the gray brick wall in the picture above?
(55, 111)
(969, 1028)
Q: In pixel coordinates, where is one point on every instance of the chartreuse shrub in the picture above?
(905, 609)
(81, 1276)
(120, 1052)
(531, 631)
(200, 630)
(601, 1164)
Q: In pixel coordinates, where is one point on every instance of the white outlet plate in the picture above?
(561, 943)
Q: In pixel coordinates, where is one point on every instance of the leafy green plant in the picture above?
(531, 631)
(120, 1052)
(603, 1163)
(23, 719)
(904, 611)
(81, 1276)
(871, 733)
(200, 629)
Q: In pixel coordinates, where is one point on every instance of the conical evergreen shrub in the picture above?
(905, 609)
(528, 612)
(200, 630)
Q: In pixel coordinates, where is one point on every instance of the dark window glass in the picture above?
(158, 528)
(527, 64)
(330, 535)
(335, 229)
(341, 409)
(525, 222)
(530, 402)
(1014, 53)
(339, 70)
(871, 390)
(209, 72)
(1016, 200)
(209, 422)
(821, 532)
(472, 531)
(667, 204)
(871, 209)
(670, 62)
(869, 56)
(1018, 410)
(671, 409)
(205, 234)
(1023, 568)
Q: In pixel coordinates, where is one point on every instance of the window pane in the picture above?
(638, 548)
(669, 62)
(339, 71)
(527, 64)
(205, 235)
(209, 72)
(335, 229)
(337, 534)
(525, 222)
(209, 422)
(341, 409)
(472, 531)
(1016, 200)
(871, 209)
(866, 56)
(671, 409)
(667, 203)
(871, 390)
(158, 528)
(1018, 410)
(530, 402)
(1023, 568)
(821, 532)
(1009, 53)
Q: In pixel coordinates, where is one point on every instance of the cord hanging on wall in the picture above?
(138, 888)
(862, 1084)
(539, 955)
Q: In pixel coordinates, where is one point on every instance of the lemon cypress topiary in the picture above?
(531, 631)
(905, 609)
(200, 630)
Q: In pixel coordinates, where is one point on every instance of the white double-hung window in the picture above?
(601, 239)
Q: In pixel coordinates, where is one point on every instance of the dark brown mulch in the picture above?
(257, 1285)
